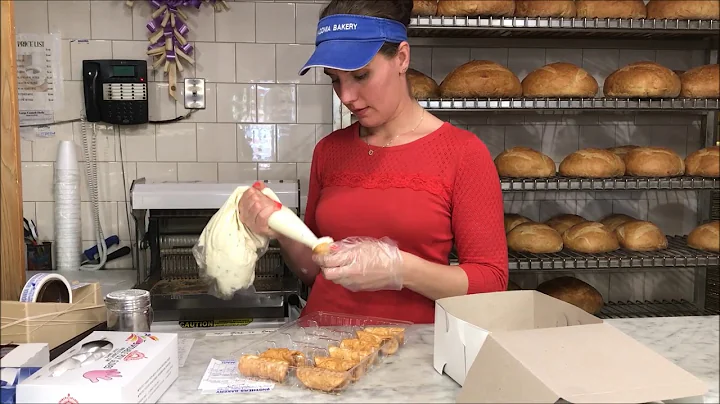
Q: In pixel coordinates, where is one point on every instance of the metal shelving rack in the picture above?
(678, 254)
(608, 184)
(588, 33)
(550, 27)
(596, 104)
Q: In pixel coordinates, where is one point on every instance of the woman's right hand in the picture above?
(255, 208)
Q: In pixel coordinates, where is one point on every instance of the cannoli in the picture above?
(293, 358)
(387, 344)
(349, 354)
(397, 332)
(322, 379)
(264, 368)
(358, 345)
(340, 365)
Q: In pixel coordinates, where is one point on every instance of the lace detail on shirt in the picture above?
(416, 182)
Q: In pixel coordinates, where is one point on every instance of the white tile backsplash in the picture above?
(275, 22)
(110, 20)
(31, 17)
(201, 172)
(177, 142)
(255, 62)
(277, 103)
(234, 25)
(262, 120)
(71, 19)
(214, 61)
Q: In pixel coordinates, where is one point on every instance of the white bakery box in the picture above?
(527, 347)
(106, 367)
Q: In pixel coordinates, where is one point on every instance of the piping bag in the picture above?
(287, 223)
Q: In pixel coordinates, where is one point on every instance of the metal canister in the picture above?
(129, 310)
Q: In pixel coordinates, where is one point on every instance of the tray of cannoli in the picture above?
(323, 351)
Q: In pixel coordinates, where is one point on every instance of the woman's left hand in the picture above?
(363, 264)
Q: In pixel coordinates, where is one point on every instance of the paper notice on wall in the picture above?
(39, 74)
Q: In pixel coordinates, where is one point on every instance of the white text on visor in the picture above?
(350, 26)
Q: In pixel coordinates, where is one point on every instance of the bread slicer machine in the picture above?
(169, 218)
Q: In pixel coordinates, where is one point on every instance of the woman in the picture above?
(395, 190)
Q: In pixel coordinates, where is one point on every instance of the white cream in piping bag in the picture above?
(287, 223)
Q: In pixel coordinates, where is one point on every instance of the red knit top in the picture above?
(423, 195)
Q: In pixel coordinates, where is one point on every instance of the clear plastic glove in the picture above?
(255, 208)
(363, 264)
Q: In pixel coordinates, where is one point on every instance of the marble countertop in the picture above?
(690, 342)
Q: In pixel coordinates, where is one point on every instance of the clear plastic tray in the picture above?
(322, 351)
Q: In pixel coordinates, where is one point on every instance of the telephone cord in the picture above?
(90, 153)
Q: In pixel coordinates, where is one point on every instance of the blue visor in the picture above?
(349, 42)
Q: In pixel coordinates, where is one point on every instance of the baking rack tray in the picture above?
(552, 27)
(678, 254)
(654, 308)
(606, 184)
(598, 104)
(304, 346)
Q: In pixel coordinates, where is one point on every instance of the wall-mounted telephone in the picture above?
(116, 91)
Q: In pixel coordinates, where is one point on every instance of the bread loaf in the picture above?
(642, 80)
(574, 291)
(559, 80)
(563, 222)
(683, 9)
(480, 79)
(545, 8)
(590, 237)
(701, 82)
(468, 8)
(424, 8)
(638, 235)
(512, 220)
(704, 162)
(622, 151)
(422, 86)
(705, 237)
(536, 238)
(653, 162)
(610, 8)
(592, 163)
(524, 162)
(613, 221)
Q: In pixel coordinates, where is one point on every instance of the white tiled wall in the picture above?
(261, 122)
(262, 119)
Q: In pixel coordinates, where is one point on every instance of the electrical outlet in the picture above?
(194, 93)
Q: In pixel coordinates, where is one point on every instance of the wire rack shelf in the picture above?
(694, 105)
(607, 184)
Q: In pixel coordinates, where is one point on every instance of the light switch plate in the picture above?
(194, 93)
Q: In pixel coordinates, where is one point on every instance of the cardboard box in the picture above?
(524, 346)
(107, 367)
(53, 323)
(26, 355)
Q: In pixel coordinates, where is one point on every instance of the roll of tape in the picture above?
(47, 288)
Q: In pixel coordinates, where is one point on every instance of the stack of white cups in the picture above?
(68, 229)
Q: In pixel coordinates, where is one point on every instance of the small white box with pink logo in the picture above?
(107, 367)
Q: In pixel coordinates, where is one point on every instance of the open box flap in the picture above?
(463, 323)
(515, 310)
(586, 364)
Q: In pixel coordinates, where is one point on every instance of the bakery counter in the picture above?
(690, 342)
